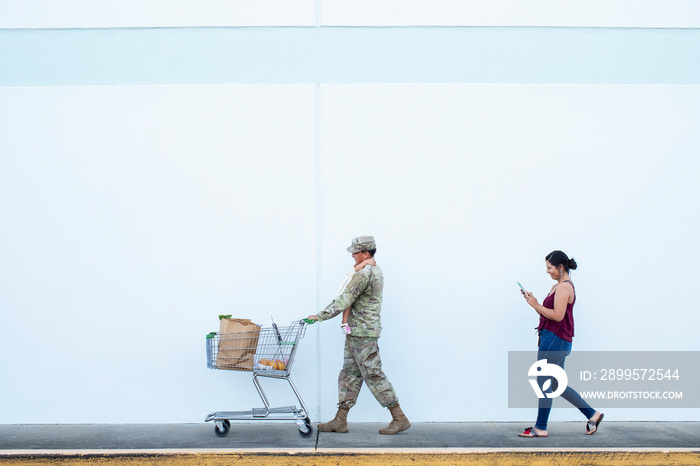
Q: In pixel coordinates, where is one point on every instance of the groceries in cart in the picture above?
(237, 343)
(242, 345)
(270, 365)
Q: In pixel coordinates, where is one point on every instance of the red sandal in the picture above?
(531, 432)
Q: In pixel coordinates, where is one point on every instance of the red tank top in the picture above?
(565, 328)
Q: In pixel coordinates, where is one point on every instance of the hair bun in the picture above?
(572, 264)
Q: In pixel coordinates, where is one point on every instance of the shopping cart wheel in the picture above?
(306, 431)
(225, 427)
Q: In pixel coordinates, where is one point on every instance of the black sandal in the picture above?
(592, 427)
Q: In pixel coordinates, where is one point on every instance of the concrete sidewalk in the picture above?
(363, 437)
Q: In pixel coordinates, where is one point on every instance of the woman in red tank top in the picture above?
(556, 330)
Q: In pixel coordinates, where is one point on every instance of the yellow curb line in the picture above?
(345, 451)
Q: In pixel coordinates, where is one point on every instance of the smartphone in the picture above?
(521, 287)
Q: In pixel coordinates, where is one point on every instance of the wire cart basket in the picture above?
(269, 353)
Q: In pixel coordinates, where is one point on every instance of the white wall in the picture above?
(155, 13)
(133, 216)
(468, 187)
(206, 13)
(576, 13)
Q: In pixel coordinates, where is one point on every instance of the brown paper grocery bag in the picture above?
(238, 340)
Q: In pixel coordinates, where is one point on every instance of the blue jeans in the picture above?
(555, 350)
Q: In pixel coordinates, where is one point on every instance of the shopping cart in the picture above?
(268, 354)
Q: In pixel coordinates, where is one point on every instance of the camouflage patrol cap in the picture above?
(362, 243)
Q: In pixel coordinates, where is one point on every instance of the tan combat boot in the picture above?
(338, 424)
(399, 422)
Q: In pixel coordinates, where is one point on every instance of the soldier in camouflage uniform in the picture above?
(361, 361)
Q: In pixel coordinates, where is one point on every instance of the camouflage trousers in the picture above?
(361, 362)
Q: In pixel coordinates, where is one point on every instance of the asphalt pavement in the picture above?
(363, 437)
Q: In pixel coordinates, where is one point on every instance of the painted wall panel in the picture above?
(157, 56)
(578, 13)
(133, 217)
(155, 13)
(349, 55)
(467, 188)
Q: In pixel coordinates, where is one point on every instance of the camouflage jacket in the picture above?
(364, 295)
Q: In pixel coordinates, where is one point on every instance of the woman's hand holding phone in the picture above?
(522, 290)
(531, 300)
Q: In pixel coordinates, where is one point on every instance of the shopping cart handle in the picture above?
(308, 321)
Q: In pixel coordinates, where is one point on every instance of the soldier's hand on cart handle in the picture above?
(311, 319)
